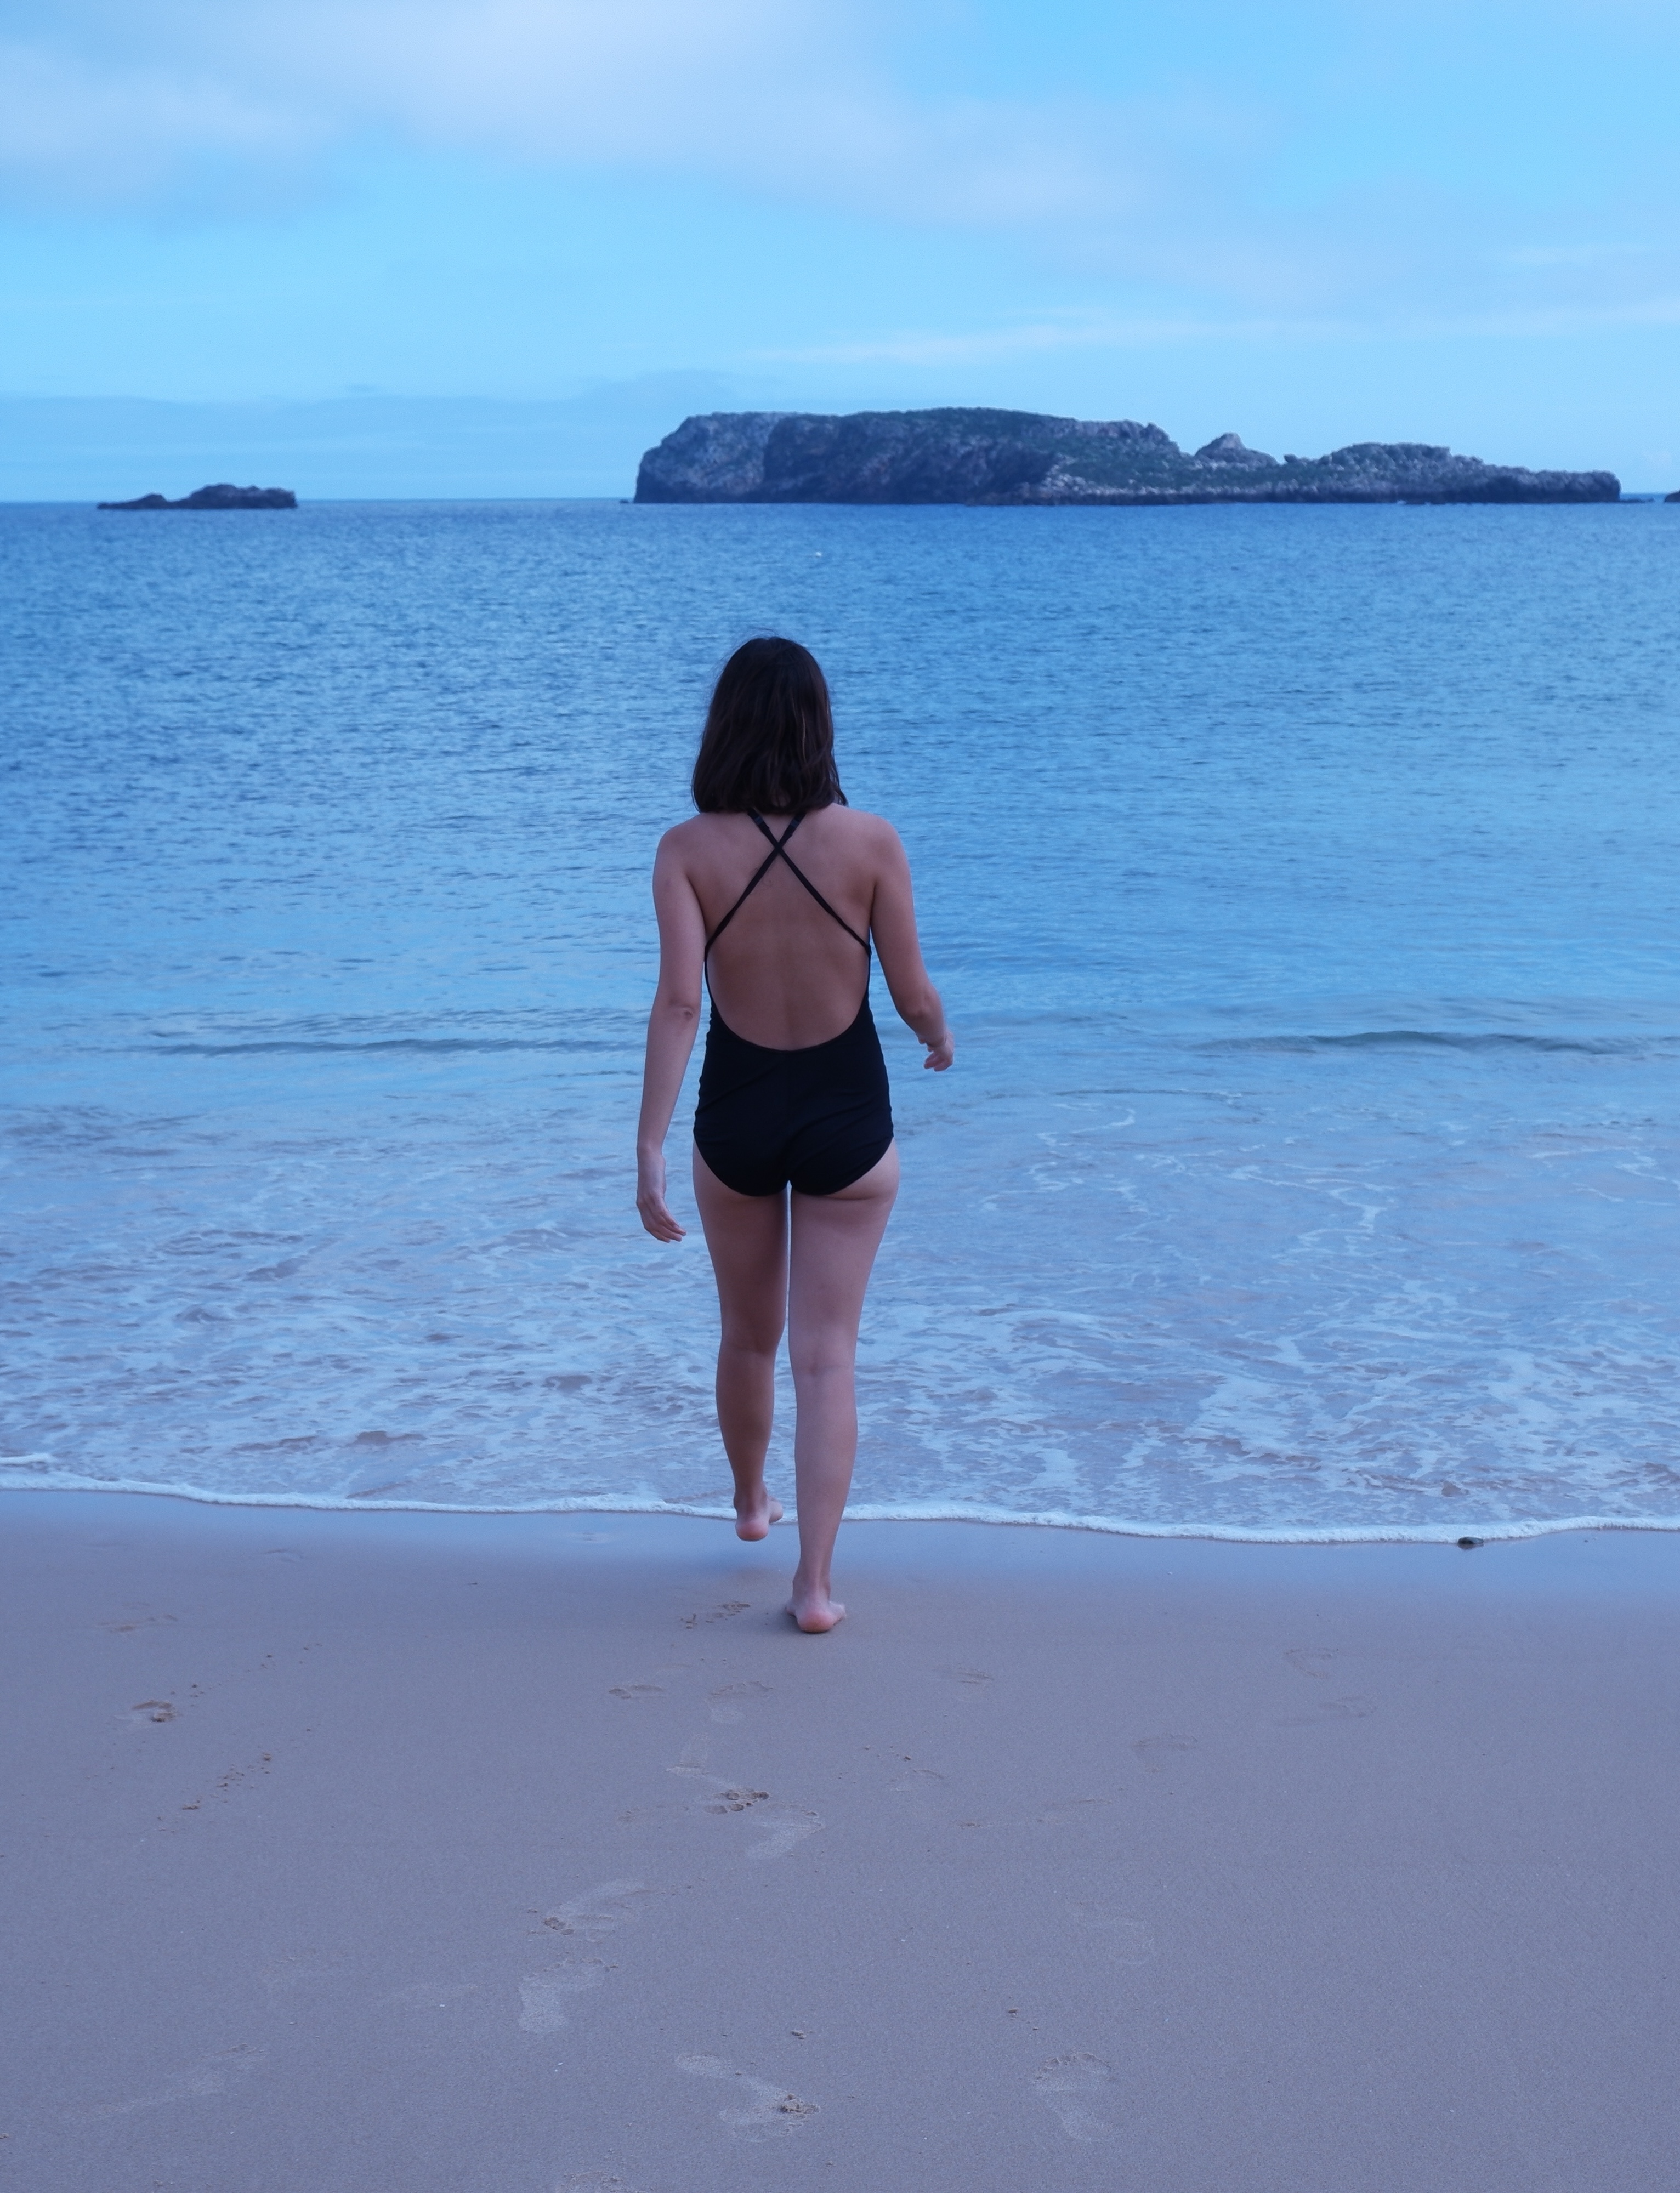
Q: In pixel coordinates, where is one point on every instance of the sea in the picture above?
(1304, 885)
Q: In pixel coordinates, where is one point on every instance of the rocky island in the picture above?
(1010, 457)
(221, 496)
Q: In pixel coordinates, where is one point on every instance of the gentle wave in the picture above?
(1441, 1040)
(1294, 1046)
(1051, 1519)
(406, 1043)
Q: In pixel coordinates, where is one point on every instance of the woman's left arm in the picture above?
(671, 1028)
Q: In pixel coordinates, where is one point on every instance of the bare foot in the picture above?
(753, 1520)
(815, 1612)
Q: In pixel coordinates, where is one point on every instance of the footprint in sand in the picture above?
(764, 2112)
(785, 1825)
(737, 1801)
(636, 1691)
(545, 1996)
(1070, 2088)
(1311, 1660)
(727, 1612)
(692, 1759)
(786, 1828)
(589, 1917)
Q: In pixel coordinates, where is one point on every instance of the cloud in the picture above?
(102, 103)
(73, 135)
(790, 100)
(1351, 176)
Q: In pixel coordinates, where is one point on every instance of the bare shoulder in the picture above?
(872, 835)
(682, 841)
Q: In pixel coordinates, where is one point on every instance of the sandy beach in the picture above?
(501, 1855)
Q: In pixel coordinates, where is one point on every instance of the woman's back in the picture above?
(784, 973)
(774, 891)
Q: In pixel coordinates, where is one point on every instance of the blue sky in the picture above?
(1312, 222)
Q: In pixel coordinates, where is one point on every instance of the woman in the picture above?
(794, 1167)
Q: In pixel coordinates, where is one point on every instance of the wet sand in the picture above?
(427, 1854)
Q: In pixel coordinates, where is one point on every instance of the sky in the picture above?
(441, 246)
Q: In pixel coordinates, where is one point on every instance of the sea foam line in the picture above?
(1050, 1519)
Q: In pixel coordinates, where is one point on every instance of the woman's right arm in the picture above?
(671, 1027)
(892, 922)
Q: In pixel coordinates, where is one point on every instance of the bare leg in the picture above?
(834, 1240)
(748, 1237)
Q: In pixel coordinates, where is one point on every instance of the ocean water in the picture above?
(1304, 888)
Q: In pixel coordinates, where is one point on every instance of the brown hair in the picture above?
(769, 741)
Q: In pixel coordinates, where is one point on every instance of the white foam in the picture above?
(1120, 1526)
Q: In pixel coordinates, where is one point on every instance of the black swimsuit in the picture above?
(818, 1118)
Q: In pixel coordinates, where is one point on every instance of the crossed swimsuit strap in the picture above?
(778, 852)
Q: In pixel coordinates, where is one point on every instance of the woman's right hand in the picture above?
(656, 1212)
(940, 1054)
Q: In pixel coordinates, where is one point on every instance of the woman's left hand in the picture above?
(656, 1212)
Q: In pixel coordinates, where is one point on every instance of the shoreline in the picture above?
(1454, 1533)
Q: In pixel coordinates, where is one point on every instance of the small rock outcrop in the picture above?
(1002, 457)
(221, 496)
